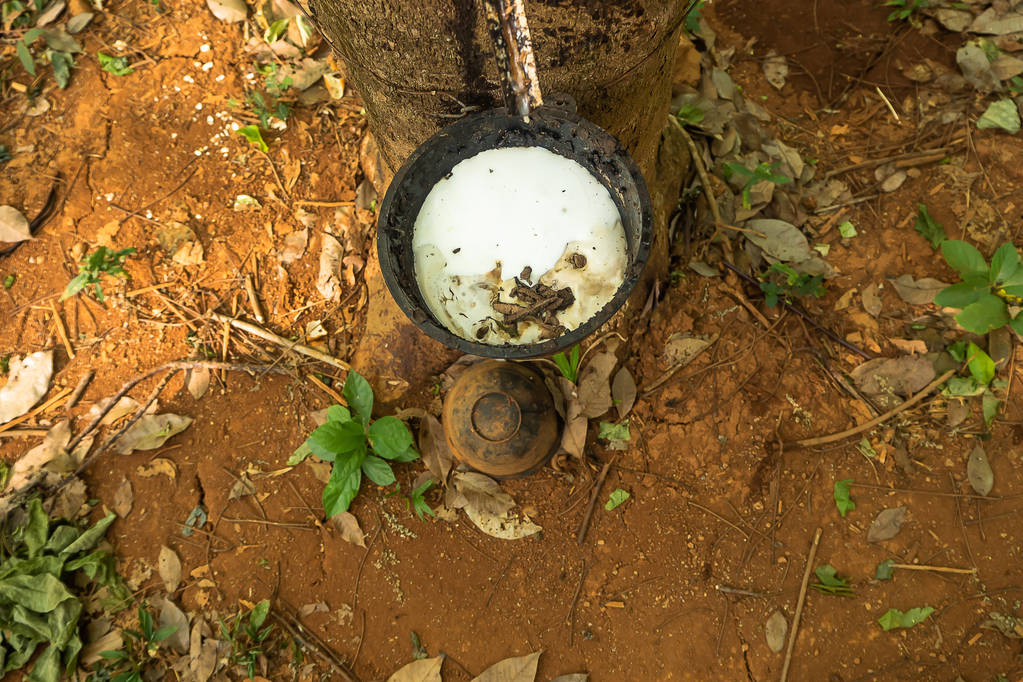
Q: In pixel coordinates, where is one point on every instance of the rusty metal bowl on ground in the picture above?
(499, 419)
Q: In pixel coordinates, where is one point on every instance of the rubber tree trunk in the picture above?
(418, 66)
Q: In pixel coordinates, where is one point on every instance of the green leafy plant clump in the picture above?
(356, 445)
(893, 618)
(986, 291)
(102, 261)
(568, 365)
(117, 66)
(763, 171)
(781, 282)
(842, 499)
(247, 636)
(46, 569)
(905, 10)
(140, 647)
(829, 582)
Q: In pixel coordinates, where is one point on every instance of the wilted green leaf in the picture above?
(842, 499)
(1002, 114)
(830, 582)
(928, 227)
(847, 230)
(897, 619)
(117, 66)
(616, 499)
(884, 570)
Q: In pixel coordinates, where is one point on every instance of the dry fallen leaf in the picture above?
(150, 432)
(294, 245)
(978, 471)
(158, 466)
(230, 11)
(871, 300)
(776, 70)
(434, 447)
(594, 385)
(242, 487)
(775, 630)
(682, 347)
(124, 406)
(901, 376)
(910, 346)
(198, 382)
(572, 677)
(49, 456)
(124, 497)
(348, 526)
(886, 525)
(917, 292)
(27, 381)
(518, 669)
(502, 526)
(623, 392)
(316, 607)
(483, 493)
(14, 225)
(171, 615)
(573, 437)
(169, 567)
(425, 670)
(111, 641)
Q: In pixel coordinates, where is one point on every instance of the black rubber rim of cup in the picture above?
(555, 127)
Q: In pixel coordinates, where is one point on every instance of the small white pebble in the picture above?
(198, 107)
(207, 66)
(234, 126)
(224, 150)
(188, 79)
(109, 196)
(209, 120)
(205, 47)
(219, 78)
(174, 136)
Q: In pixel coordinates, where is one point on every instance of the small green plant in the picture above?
(842, 499)
(894, 618)
(417, 500)
(692, 22)
(781, 282)
(690, 114)
(985, 292)
(9, 281)
(252, 134)
(5, 154)
(5, 365)
(981, 380)
(140, 649)
(762, 172)
(102, 261)
(905, 9)
(616, 435)
(356, 446)
(247, 636)
(568, 364)
(929, 228)
(831, 582)
(117, 66)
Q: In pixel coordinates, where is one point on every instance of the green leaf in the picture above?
(25, 56)
(884, 570)
(343, 486)
(928, 227)
(62, 63)
(568, 365)
(338, 413)
(409, 455)
(61, 537)
(36, 529)
(389, 437)
(897, 619)
(40, 593)
(989, 406)
(1004, 263)
(259, 613)
(987, 313)
(276, 30)
(1017, 324)
(611, 431)
(981, 366)
(89, 538)
(963, 387)
(830, 582)
(117, 66)
(163, 633)
(847, 230)
(1002, 114)
(963, 293)
(74, 286)
(842, 499)
(113, 655)
(47, 666)
(252, 134)
(336, 438)
(616, 499)
(964, 258)
(300, 454)
(359, 395)
(377, 470)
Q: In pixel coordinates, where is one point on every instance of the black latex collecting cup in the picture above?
(554, 127)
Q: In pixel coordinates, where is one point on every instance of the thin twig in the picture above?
(715, 210)
(314, 643)
(799, 605)
(570, 619)
(280, 340)
(936, 493)
(677, 366)
(281, 524)
(585, 525)
(52, 402)
(939, 569)
(866, 426)
(362, 563)
(61, 331)
(257, 308)
(742, 593)
(76, 394)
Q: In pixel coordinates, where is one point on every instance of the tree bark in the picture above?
(418, 66)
